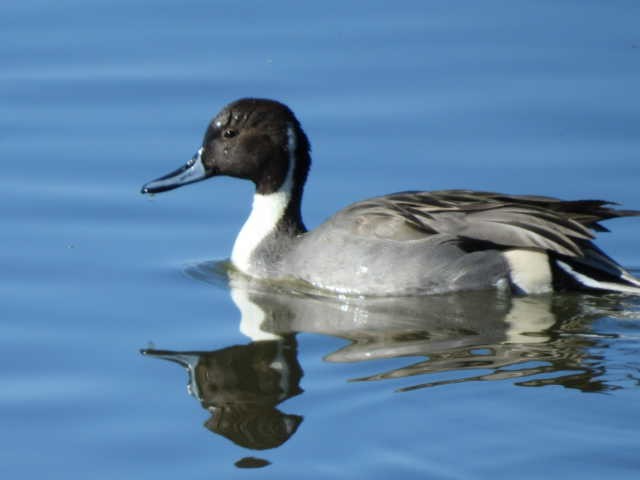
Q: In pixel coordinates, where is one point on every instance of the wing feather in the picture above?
(508, 221)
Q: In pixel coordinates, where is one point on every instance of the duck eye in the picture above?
(229, 133)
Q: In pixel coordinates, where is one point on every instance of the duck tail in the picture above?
(593, 271)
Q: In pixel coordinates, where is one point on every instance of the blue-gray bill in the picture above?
(192, 172)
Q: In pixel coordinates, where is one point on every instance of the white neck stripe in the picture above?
(266, 212)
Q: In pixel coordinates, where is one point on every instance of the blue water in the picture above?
(99, 97)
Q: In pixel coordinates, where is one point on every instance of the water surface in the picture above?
(99, 97)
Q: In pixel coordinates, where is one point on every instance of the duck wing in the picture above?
(505, 221)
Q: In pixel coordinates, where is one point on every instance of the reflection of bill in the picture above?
(241, 386)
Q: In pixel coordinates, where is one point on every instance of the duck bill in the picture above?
(192, 172)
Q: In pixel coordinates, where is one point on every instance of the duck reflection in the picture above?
(546, 340)
(468, 336)
(241, 386)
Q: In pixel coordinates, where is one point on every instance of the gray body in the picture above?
(342, 256)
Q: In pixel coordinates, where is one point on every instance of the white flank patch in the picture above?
(251, 317)
(266, 211)
(530, 270)
(591, 283)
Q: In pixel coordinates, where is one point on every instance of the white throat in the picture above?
(266, 212)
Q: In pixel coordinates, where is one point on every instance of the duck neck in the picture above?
(275, 220)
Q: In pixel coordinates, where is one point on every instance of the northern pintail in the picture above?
(408, 243)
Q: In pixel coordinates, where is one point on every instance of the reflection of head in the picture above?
(256, 375)
(255, 428)
(242, 384)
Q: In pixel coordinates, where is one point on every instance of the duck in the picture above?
(408, 243)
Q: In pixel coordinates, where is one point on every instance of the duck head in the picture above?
(254, 139)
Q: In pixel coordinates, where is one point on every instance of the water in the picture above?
(99, 97)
